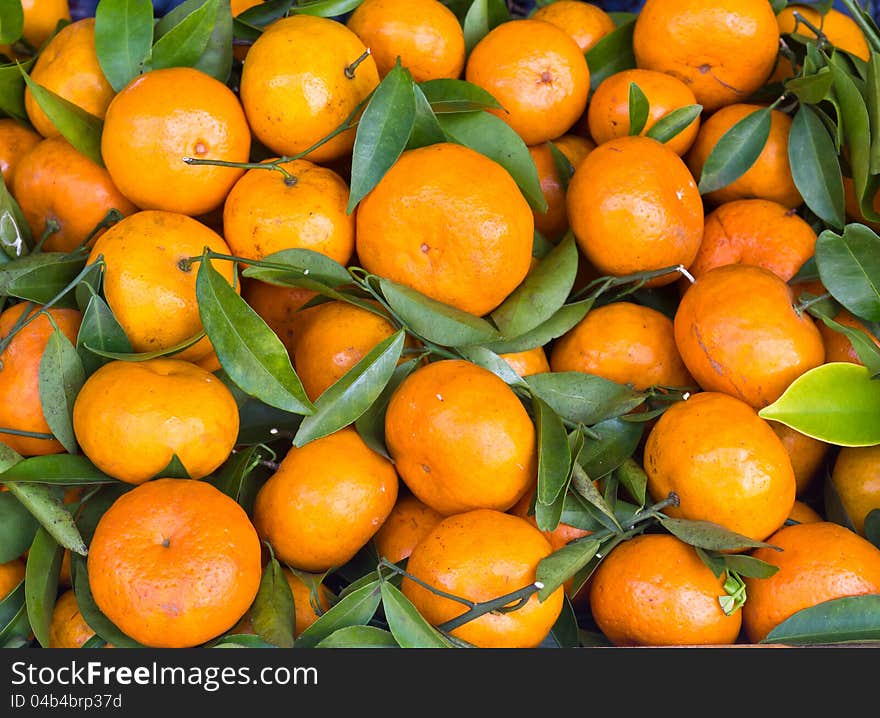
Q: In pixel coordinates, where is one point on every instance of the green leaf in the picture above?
(382, 132)
(554, 455)
(235, 470)
(40, 277)
(554, 570)
(249, 351)
(736, 151)
(541, 294)
(123, 39)
(617, 441)
(811, 89)
(639, 109)
(840, 620)
(50, 511)
(354, 392)
(241, 640)
(872, 527)
(101, 330)
(488, 359)
(448, 95)
(272, 613)
(80, 128)
(435, 321)
(11, 22)
(359, 637)
(564, 633)
(585, 487)
(41, 583)
(12, 86)
(562, 321)
(612, 54)
(741, 563)
(93, 615)
(61, 376)
(306, 264)
(671, 124)
(709, 535)
(216, 58)
(408, 626)
(867, 351)
(183, 44)
(426, 129)
(15, 233)
(815, 167)
(174, 470)
(60, 469)
(837, 403)
(565, 171)
(324, 8)
(632, 477)
(17, 528)
(584, 398)
(482, 16)
(145, 356)
(14, 624)
(356, 609)
(849, 267)
(873, 103)
(493, 137)
(371, 424)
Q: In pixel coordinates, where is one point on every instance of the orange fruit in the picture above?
(536, 72)
(806, 453)
(278, 306)
(634, 207)
(738, 332)
(326, 501)
(853, 210)
(460, 438)
(68, 66)
(553, 223)
(608, 111)
(654, 590)
(68, 628)
(819, 561)
(174, 563)
(755, 231)
(623, 342)
(768, 178)
(424, 34)
(58, 183)
(41, 18)
(838, 347)
(151, 294)
(155, 409)
(20, 405)
(408, 523)
(855, 478)
(296, 89)
(332, 338)
(450, 223)
(11, 574)
(803, 513)
(16, 140)
(266, 212)
(481, 555)
(304, 611)
(724, 462)
(528, 362)
(163, 116)
(723, 49)
(585, 22)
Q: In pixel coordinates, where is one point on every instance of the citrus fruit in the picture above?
(16, 140)
(408, 523)
(806, 453)
(528, 362)
(855, 479)
(585, 22)
(68, 628)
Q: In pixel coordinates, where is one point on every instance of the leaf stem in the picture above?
(52, 227)
(28, 434)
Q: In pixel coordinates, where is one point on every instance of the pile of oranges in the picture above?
(434, 325)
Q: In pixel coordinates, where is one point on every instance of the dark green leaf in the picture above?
(61, 376)
(306, 264)
(447, 95)
(564, 633)
(564, 319)
(183, 44)
(494, 138)
(272, 613)
(242, 640)
(541, 294)
(260, 423)
(554, 454)
(17, 528)
(61, 469)
(748, 566)
(872, 527)
(840, 620)
(736, 151)
(92, 615)
(266, 12)
(633, 478)
(873, 103)
(435, 321)
(577, 513)
(584, 398)
(639, 109)
(565, 171)
(554, 570)
(811, 89)
(612, 54)
(216, 58)
(99, 329)
(849, 267)
(356, 609)
(482, 16)
(354, 392)
(708, 535)
(585, 487)
(41, 583)
(40, 277)
(618, 440)
(174, 470)
(13, 617)
(12, 89)
(123, 39)
(815, 167)
(426, 129)
(50, 511)
(371, 424)
(15, 233)
(672, 123)
(359, 637)
(488, 359)
(233, 472)
(249, 351)
(325, 8)
(382, 132)
(864, 347)
(11, 21)
(91, 510)
(408, 626)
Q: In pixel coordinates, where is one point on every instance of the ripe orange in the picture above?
(768, 178)
(450, 223)
(296, 89)
(803, 513)
(724, 462)
(855, 478)
(755, 231)
(838, 347)
(424, 34)
(16, 140)
(11, 574)
(481, 555)
(819, 561)
(806, 453)
(266, 212)
(277, 306)
(58, 183)
(738, 332)
(723, 49)
(553, 223)
(155, 409)
(460, 438)
(68, 628)
(634, 207)
(151, 294)
(408, 523)
(608, 111)
(174, 563)
(528, 362)
(585, 22)
(41, 18)
(326, 501)
(68, 66)
(151, 126)
(654, 590)
(20, 405)
(537, 73)
(623, 342)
